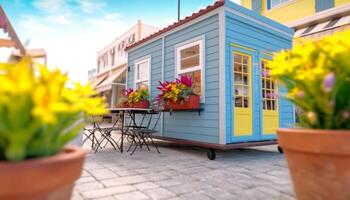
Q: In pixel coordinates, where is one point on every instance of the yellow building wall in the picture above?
(290, 11)
(341, 2)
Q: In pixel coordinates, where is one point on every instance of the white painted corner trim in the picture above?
(222, 77)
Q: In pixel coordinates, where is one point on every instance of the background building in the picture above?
(109, 80)
(311, 19)
(287, 11)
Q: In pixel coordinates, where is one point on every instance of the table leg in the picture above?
(122, 139)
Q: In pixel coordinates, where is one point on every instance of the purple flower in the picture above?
(328, 82)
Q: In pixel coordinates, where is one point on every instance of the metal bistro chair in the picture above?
(90, 133)
(105, 134)
(142, 135)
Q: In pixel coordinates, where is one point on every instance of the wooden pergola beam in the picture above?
(7, 43)
(6, 25)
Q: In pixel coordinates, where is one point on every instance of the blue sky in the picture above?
(72, 31)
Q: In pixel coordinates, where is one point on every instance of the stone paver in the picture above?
(185, 173)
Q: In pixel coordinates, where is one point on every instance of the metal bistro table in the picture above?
(131, 112)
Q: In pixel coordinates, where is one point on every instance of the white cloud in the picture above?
(90, 6)
(110, 16)
(50, 6)
(61, 19)
(33, 26)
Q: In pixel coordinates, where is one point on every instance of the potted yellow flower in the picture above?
(137, 98)
(38, 116)
(317, 78)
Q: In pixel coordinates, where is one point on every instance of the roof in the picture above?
(187, 19)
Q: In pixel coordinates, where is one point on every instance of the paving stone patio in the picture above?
(185, 173)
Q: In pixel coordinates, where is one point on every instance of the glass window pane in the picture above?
(143, 85)
(238, 67)
(246, 102)
(238, 78)
(142, 71)
(245, 60)
(245, 77)
(190, 62)
(197, 81)
(273, 106)
(268, 84)
(268, 105)
(237, 58)
(246, 89)
(238, 102)
(238, 90)
(245, 68)
(190, 57)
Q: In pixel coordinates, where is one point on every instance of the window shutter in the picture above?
(256, 5)
(323, 5)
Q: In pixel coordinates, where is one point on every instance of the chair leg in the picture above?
(99, 142)
(132, 142)
(145, 142)
(154, 144)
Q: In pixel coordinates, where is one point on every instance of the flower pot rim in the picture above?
(312, 131)
(320, 141)
(66, 153)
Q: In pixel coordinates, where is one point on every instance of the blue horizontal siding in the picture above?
(186, 125)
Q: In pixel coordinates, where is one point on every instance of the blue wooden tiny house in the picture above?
(225, 49)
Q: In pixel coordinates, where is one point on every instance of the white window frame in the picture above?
(178, 71)
(148, 79)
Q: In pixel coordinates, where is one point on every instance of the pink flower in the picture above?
(186, 80)
(128, 91)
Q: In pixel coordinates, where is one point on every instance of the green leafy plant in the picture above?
(316, 75)
(38, 113)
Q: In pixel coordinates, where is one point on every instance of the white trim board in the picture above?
(257, 21)
(222, 78)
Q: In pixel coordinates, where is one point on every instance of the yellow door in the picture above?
(242, 94)
(269, 100)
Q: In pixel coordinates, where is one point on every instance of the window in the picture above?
(268, 88)
(241, 65)
(190, 62)
(275, 3)
(142, 69)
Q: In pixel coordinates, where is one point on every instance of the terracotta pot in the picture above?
(141, 104)
(49, 178)
(319, 162)
(193, 102)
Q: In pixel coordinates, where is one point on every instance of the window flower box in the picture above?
(192, 102)
(178, 94)
(135, 99)
(140, 104)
